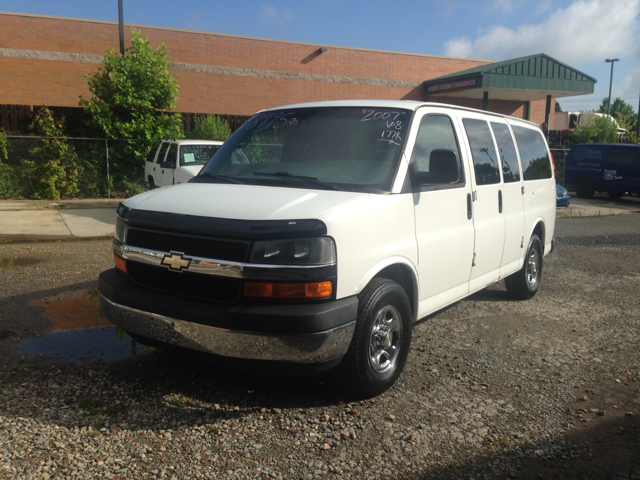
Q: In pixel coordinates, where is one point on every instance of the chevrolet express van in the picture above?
(319, 233)
(603, 167)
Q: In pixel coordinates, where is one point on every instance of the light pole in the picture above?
(610, 60)
(121, 28)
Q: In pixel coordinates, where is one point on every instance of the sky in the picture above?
(580, 33)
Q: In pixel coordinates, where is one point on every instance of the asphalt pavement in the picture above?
(27, 220)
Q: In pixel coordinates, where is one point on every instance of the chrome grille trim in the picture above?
(209, 266)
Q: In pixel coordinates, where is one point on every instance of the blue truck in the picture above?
(603, 167)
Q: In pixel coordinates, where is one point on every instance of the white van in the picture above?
(177, 161)
(319, 233)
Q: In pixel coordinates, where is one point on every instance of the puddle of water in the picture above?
(18, 262)
(83, 345)
(72, 309)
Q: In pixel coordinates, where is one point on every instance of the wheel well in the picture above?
(539, 230)
(583, 177)
(403, 276)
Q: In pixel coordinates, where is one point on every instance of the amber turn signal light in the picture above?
(288, 290)
(120, 263)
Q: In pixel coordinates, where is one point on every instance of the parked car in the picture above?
(177, 161)
(603, 167)
(319, 233)
(562, 198)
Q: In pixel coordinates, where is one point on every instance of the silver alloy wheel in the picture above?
(384, 342)
(533, 268)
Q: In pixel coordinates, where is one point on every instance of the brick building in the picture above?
(43, 61)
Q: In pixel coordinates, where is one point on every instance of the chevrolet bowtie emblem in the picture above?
(176, 261)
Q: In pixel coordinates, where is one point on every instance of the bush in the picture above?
(596, 130)
(210, 127)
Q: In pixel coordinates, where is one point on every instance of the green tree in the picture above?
(210, 127)
(53, 166)
(596, 130)
(623, 113)
(132, 97)
(558, 107)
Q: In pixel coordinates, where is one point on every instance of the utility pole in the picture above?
(608, 60)
(121, 25)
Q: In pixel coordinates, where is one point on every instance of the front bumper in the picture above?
(298, 334)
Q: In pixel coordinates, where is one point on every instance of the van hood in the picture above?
(241, 202)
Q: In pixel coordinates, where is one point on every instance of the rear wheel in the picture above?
(381, 340)
(585, 188)
(524, 284)
(615, 194)
(152, 183)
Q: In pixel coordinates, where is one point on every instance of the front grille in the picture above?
(193, 285)
(234, 251)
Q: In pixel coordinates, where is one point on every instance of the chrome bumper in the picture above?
(302, 349)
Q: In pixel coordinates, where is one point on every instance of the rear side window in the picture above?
(533, 153)
(622, 155)
(152, 153)
(485, 163)
(507, 149)
(163, 152)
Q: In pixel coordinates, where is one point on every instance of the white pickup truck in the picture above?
(177, 161)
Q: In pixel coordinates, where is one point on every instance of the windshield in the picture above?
(196, 154)
(343, 148)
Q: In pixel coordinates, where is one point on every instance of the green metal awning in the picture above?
(522, 79)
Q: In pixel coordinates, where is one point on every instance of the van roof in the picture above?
(405, 104)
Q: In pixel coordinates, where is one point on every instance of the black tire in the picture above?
(585, 188)
(524, 284)
(615, 194)
(152, 183)
(377, 355)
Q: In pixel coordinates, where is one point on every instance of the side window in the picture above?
(622, 155)
(507, 150)
(163, 152)
(172, 156)
(533, 153)
(152, 153)
(436, 152)
(485, 163)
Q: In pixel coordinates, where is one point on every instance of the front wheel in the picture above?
(524, 284)
(152, 183)
(381, 340)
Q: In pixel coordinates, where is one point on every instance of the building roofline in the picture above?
(216, 34)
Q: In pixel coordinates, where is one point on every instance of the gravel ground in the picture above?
(493, 388)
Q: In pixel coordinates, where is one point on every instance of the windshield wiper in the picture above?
(220, 177)
(309, 180)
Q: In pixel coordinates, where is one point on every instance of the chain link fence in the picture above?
(37, 167)
(559, 156)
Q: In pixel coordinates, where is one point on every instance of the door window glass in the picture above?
(436, 151)
(507, 149)
(485, 163)
(622, 155)
(533, 153)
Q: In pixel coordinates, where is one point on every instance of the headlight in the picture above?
(302, 251)
(121, 229)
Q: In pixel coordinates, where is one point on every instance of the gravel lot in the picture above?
(493, 388)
